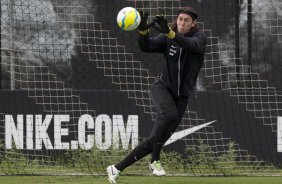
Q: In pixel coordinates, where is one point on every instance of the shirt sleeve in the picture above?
(153, 44)
(195, 43)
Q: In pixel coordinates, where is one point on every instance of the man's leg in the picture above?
(136, 154)
(165, 128)
(165, 105)
(142, 150)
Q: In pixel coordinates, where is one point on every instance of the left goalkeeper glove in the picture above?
(144, 26)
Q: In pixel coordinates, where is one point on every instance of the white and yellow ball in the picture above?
(128, 19)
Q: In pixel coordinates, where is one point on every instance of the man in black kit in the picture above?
(183, 46)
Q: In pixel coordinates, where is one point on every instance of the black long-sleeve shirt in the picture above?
(184, 56)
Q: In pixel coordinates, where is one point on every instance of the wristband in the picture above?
(144, 32)
(170, 34)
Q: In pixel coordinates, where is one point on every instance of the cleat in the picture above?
(113, 174)
(157, 168)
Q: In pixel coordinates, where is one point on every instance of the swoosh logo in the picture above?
(183, 133)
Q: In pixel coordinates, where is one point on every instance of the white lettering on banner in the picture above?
(11, 131)
(29, 132)
(41, 134)
(106, 120)
(59, 131)
(108, 133)
(86, 118)
(279, 134)
(131, 130)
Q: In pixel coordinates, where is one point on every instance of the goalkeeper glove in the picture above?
(144, 26)
(163, 26)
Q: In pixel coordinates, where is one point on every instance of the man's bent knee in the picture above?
(169, 116)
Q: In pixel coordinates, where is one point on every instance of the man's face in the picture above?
(184, 23)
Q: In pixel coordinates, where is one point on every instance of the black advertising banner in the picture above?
(117, 122)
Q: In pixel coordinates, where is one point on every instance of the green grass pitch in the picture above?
(138, 180)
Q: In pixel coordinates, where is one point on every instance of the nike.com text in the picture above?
(31, 132)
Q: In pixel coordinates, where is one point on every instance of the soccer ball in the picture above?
(128, 19)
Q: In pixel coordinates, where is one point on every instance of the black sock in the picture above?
(136, 154)
(159, 142)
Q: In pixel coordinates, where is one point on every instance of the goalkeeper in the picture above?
(183, 46)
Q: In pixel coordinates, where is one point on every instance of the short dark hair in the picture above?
(189, 11)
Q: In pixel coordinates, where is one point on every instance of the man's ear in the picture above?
(194, 23)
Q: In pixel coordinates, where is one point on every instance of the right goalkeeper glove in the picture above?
(144, 26)
(162, 26)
